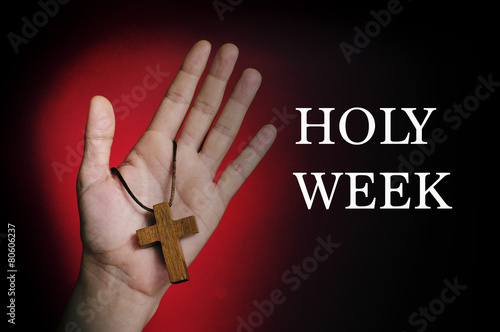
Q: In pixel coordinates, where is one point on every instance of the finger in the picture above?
(207, 103)
(99, 134)
(174, 106)
(238, 171)
(226, 128)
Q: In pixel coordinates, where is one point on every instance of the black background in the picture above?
(429, 56)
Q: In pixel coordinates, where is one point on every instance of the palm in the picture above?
(109, 216)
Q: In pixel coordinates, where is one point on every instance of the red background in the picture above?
(390, 262)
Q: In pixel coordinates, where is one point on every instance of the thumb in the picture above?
(99, 134)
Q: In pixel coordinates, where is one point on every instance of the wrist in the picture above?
(102, 300)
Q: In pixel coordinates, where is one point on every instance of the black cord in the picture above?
(172, 189)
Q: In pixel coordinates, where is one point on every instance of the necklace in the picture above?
(166, 231)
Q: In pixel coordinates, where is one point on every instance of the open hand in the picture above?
(135, 279)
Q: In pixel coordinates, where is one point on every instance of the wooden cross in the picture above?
(168, 232)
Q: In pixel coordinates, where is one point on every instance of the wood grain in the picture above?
(168, 232)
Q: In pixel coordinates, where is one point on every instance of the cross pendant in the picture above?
(168, 232)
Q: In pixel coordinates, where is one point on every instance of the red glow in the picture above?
(212, 297)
